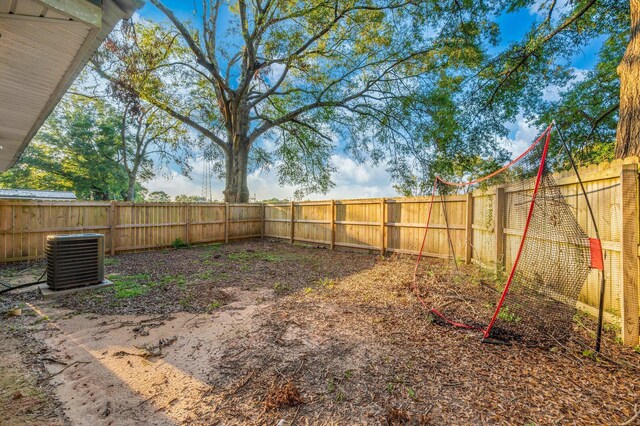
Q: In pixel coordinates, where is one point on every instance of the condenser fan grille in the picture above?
(74, 260)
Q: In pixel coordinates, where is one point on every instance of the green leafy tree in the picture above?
(158, 197)
(278, 83)
(183, 198)
(73, 151)
(150, 139)
(599, 110)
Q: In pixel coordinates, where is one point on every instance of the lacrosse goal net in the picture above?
(536, 301)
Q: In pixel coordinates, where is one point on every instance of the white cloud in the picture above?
(349, 171)
(355, 180)
(521, 135)
(534, 8)
(275, 72)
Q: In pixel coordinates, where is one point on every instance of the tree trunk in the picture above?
(131, 184)
(628, 132)
(131, 190)
(236, 189)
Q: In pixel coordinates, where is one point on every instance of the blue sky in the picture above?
(352, 180)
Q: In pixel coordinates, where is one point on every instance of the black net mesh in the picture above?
(545, 266)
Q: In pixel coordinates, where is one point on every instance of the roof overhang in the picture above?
(44, 44)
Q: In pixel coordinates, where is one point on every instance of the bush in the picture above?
(179, 243)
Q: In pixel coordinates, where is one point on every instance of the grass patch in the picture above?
(110, 261)
(127, 286)
(179, 279)
(279, 288)
(509, 316)
(216, 304)
(327, 283)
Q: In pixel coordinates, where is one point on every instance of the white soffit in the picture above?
(42, 50)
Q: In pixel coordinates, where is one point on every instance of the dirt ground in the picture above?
(263, 332)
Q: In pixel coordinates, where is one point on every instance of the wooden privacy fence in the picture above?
(481, 225)
(24, 226)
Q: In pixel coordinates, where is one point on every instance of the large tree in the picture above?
(99, 150)
(150, 140)
(281, 83)
(73, 151)
(590, 104)
(628, 134)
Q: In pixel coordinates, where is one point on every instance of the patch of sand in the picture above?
(128, 370)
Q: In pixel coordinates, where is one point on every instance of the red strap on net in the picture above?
(486, 331)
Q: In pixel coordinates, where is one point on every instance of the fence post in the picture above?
(468, 253)
(292, 222)
(333, 224)
(263, 213)
(187, 219)
(112, 226)
(629, 255)
(498, 212)
(382, 226)
(226, 222)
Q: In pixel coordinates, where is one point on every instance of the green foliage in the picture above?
(383, 78)
(183, 198)
(95, 148)
(216, 304)
(276, 201)
(280, 288)
(508, 315)
(110, 261)
(73, 151)
(179, 279)
(128, 286)
(327, 283)
(410, 392)
(534, 77)
(179, 243)
(158, 197)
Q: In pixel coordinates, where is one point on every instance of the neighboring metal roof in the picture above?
(44, 44)
(32, 194)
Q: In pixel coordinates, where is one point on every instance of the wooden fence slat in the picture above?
(498, 213)
(187, 230)
(629, 255)
(382, 226)
(262, 214)
(468, 243)
(226, 222)
(333, 224)
(291, 219)
(112, 225)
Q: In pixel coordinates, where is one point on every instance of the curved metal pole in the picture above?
(595, 228)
